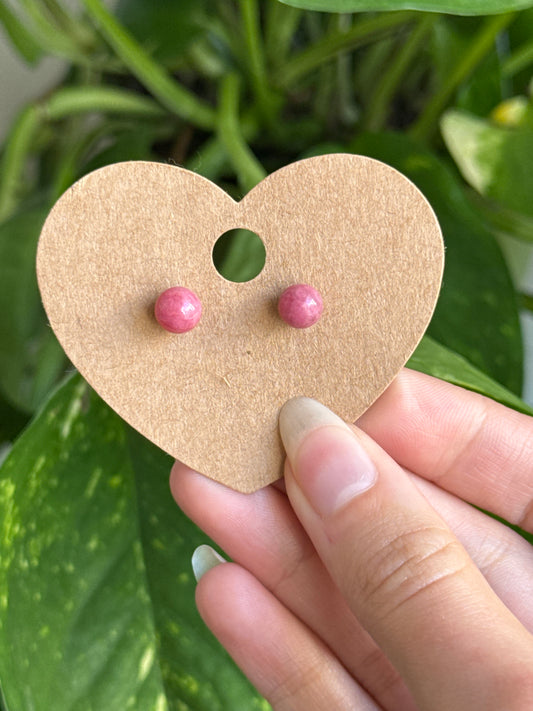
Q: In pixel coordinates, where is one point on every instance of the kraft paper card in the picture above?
(355, 229)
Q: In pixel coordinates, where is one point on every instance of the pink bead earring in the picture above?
(300, 306)
(178, 309)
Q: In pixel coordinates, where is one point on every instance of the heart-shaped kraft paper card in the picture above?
(355, 229)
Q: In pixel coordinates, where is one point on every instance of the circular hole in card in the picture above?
(239, 255)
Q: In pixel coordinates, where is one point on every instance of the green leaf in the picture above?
(74, 100)
(239, 255)
(435, 359)
(150, 73)
(365, 30)
(20, 143)
(196, 671)
(132, 143)
(19, 35)
(165, 29)
(519, 58)
(452, 36)
(31, 360)
(432, 358)
(454, 7)
(497, 161)
(477, 314)
(51, 36)
(478, 51)
(504, 221)
(249, 170)
(96, 590)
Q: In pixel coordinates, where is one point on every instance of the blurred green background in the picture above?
(96, 592)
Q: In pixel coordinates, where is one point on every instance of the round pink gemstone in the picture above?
(178, 309)
(300, 306)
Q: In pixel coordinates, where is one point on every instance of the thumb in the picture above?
(402, 571)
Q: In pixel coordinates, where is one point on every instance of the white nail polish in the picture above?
(203, 559)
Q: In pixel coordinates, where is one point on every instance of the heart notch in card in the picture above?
(352, 227)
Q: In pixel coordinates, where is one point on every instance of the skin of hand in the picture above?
(367, 582)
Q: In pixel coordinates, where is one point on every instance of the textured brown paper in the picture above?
(354, 228)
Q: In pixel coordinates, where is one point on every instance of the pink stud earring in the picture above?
(300, 306)
(178, 309)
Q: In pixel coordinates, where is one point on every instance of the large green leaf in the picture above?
(454, 7)
(96, 591)
(435, 359)
(31, 359)
(432, 358)
(477, 314)
(497, 161)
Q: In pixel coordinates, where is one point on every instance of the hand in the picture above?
(366, 586)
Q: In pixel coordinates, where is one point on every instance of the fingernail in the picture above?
(328, 462)
(203, 559)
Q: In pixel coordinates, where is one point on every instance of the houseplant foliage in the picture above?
(96, 594)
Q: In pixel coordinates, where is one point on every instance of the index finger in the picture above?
(465, 443)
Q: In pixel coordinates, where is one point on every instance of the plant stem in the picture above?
(67, 165)
(323, 95)
(370, 67)
(363, 32)
(18, 33)
(66, 102)
(249, 170)
(155, 78)
(17, 147)
(380, 103)
(348, 108)
(51, 38)
(282, 22)
(255, 50)
(481, 44)
(210, 159)
(71, 101)
(518, 60)
(82, 34)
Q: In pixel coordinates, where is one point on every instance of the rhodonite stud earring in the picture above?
(300, 306)
(178, 309)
